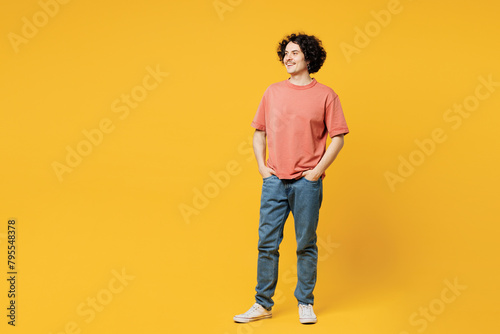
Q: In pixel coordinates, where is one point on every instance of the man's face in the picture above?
(294, 59)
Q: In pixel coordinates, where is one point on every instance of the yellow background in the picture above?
(385, 254)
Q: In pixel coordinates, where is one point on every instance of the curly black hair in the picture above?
(309, 45)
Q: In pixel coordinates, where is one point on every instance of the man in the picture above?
(295, 116)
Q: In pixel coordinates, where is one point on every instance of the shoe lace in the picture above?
(307, 310)
(252, 309)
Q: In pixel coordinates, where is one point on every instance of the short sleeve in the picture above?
(334, 118)
(259, 121)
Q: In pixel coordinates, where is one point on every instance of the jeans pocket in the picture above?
(312, 182)
(267, 178)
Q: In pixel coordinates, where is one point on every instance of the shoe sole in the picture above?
(245, 320)
(308, 321)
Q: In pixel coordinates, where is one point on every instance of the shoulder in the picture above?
(274, 87)
(327, 90)
(277, 85)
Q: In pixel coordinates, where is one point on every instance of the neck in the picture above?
(300, 79)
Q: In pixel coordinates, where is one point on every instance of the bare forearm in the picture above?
(259, 147)
(330, 155)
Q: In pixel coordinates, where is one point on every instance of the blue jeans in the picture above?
(303, 198)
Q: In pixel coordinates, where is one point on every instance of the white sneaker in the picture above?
(256, 312)
(306, 314)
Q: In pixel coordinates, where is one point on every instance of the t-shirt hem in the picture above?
(258, 126)
(337, 132)
(294, 176)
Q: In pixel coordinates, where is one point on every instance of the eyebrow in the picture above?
(292, 51)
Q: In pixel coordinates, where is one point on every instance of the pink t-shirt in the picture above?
(297, 120)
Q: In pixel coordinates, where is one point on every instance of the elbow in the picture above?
(339, 140)
(259, 135)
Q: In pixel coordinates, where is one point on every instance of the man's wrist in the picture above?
(316, 173)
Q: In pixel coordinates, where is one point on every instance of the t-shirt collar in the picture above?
(309, 85)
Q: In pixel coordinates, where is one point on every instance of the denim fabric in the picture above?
(303, 198)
